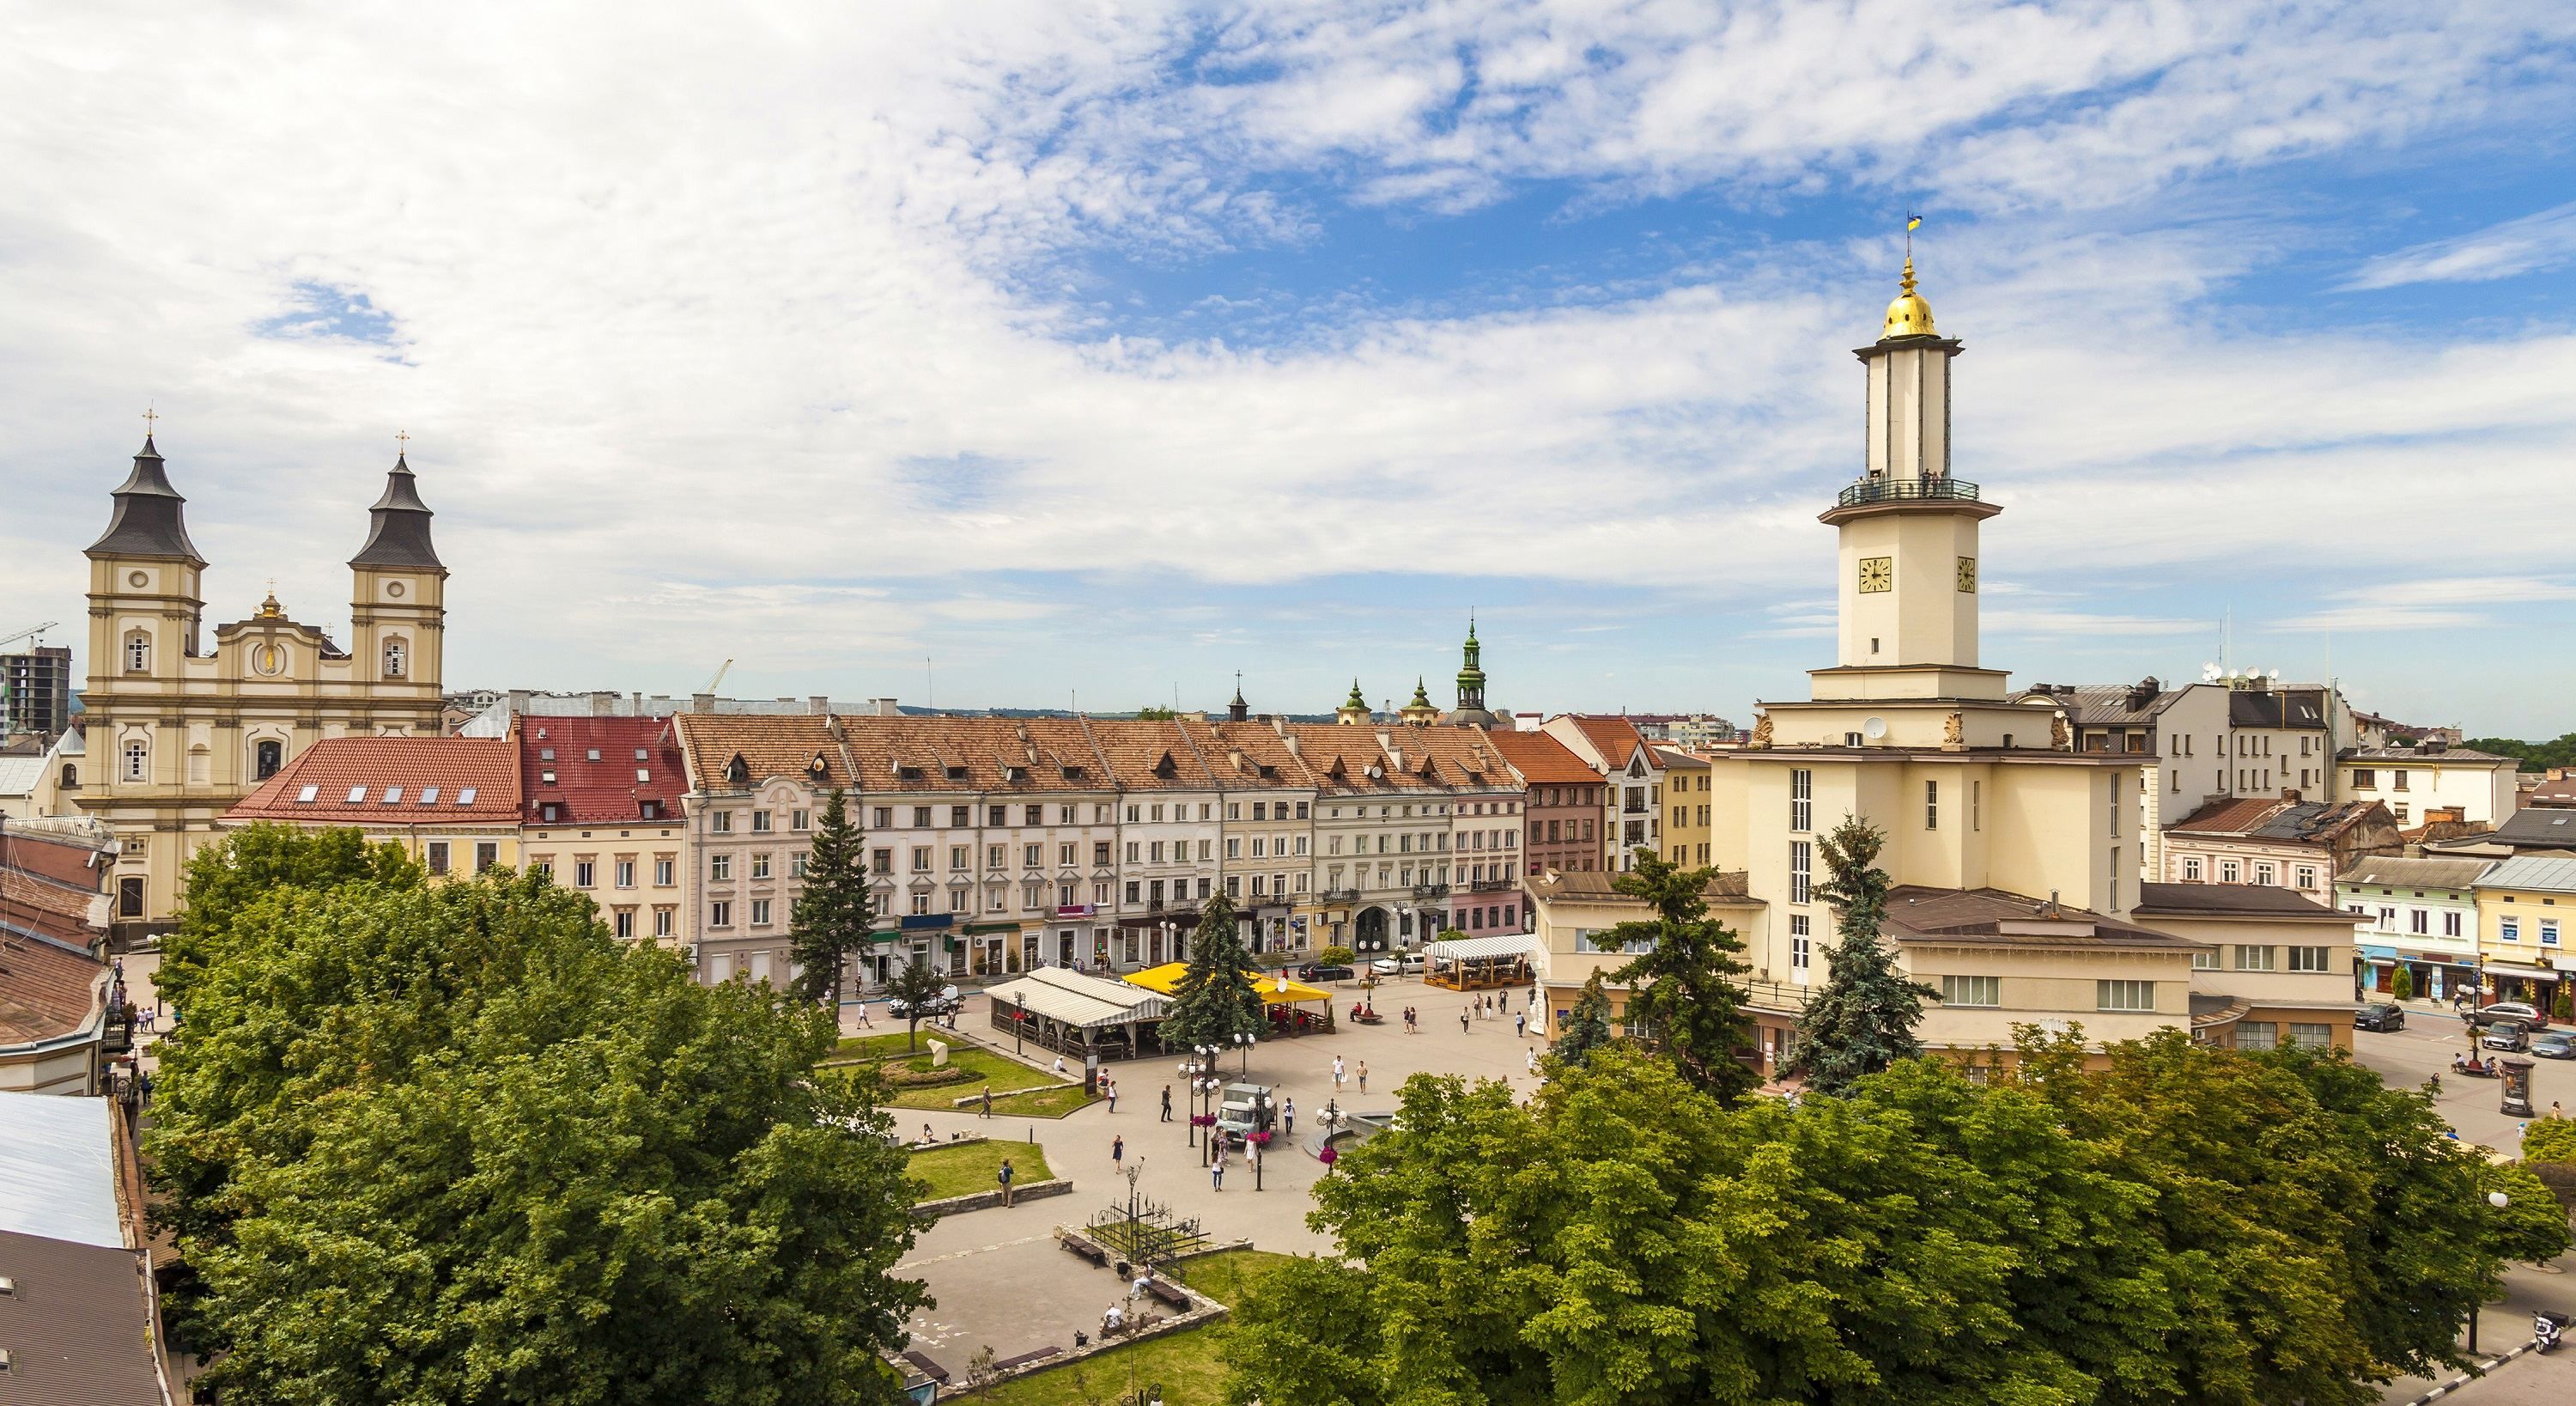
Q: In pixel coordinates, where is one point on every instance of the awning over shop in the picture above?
(1274, 989)
(2526, 973)
(1470, 949)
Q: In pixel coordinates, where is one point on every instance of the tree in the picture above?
(1862, 1020)
(1681, 986)
(2549, 1140)
(917, 987)
(1215, 1000)
(2401, 983)
(1336, 957)
(474, 1148)
(1587, 1024)
(2535, 756)
(835, 912)
(1152, 712)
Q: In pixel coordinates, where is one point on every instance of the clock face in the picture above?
(1968, 575)
(1877, 574)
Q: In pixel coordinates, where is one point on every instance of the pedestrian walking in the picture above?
(1363, 1076)
(1533, 1061)
(988, 1101)
(1216, 1172)
(1004, 1177)
(1113, 1094)
(1118, 1151)
(1337, 1072)
(144, 1083)
(1520, 1024)
(1167, 1103)
(1288, 1117)
(1462, 1020)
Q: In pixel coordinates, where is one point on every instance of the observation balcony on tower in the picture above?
(1891, 490)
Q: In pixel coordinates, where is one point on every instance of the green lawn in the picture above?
(1042, 1103)
(1004, 1074)
(969, 1167)
(1184, 1365)
(877, 1046)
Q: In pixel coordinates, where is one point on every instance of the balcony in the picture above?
(1430, 890)
(1338, 896)
(1894, 490)
(1494, 885)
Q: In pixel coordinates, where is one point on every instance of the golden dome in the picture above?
(1909, 315)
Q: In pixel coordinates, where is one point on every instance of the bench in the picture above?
(1171, 1294)
(1025, 1358)
(1075, 1244)
(929, 1368)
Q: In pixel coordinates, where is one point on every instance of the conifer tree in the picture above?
(1587, 1025)
(834, 910)
(1862, 1020)
(1215, 1000)
(1682, 996)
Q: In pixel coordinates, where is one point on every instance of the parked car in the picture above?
(1404, 965)
(2518, 1012)
(2506, 1035)
(2558, 1045)
(1245, 1109)
(1317, 971)
(2381, 1015)
(946, 1001)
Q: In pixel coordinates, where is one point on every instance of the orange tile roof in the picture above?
(1542, 760)
(1247, 754)
(1149, 755)
(1034, 755)
(770, 744)
(1616, 738)
(432, 781)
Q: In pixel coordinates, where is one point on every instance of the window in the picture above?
(661, 922)
(960, 857)
(2124, 995)
(881, 861)
(129, 897)
(2191, 869)
(882, 817)
(138, 653)
(760, 912)
(2204, 959)
(2253, 957)
(395, 657)
(662, 875)
(267, 757)
(2311, 1037)
(438, 856)
(625, 924)
(357, 795)
(2257, 1034)
(1972, 991)
(1802, 799)
(2263, 875)
(720, 914)
(486, 854)
(1931, 805)
(2308, 959)
(2451, 924)
(1801, 866)
(921, 817)
(2364, 779)
(1034, 815)
(138, 761)
(921, 859)
(2419, 920)
(760, 822)
(2229, 871)
(2397, 780)
(760, 865)
(796, 865)
(2307, 876)
(720, 866)
(583, 871)
(1801, 942)
(720, 822)
(1032, 856)
(2508, 929)
(2549, 932)
(1976, 805)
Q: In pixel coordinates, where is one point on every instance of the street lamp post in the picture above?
(1244, 1039)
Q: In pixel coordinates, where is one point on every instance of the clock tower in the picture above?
(1908, 590)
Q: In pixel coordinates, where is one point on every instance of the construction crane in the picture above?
(40, 629)
(718, 681)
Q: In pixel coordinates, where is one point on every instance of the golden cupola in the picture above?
(1909, 315)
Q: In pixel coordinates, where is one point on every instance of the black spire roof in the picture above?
(399, 532)
(149, 520)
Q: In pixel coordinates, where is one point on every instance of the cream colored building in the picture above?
(1688, 782)
(183, 720)
(2414, 782)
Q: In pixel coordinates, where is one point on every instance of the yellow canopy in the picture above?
(1274, 988)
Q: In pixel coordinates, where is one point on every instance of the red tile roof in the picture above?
(45, 988)
(637, 760)
(1617, 739)
(433, 781)
(1543, 760)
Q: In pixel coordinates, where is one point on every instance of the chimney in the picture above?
(635, 701)
(702, 702)
(2290, 794)
(1291, 739)
(818, 704)
(603, 704)
(884, 708)
(518, 701)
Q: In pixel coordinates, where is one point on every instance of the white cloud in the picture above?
(2535, 242)
(2429, 603)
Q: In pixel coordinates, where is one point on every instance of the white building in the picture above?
(2415, 782)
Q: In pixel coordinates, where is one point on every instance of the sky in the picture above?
(1048, 354)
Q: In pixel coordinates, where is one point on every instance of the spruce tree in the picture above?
(1216, 999)
(1587, 1025)
(834, 910)
(1681, 989)
(1862, 1020)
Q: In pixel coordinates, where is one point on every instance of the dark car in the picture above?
(2506, 1035)
(2557, 1045)
(1317, 971)
(2379, 1016)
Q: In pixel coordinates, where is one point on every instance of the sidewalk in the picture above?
(2504, 1325)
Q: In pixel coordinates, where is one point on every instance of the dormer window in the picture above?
(397, 657)
(907, 773)
(545, 754)
(817, 768)
(956, 773)
(737, 771)
(652, 810)
(1073, 773)
(357, 795)
(550, 812)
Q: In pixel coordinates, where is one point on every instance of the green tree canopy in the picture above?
(2535, 756)
(2549, 1140)
(915, 984)
(453, 1142)
(1682, 986)
(1215, 1000)
(1862, 1019)
(1587, 1023)
(835, 913)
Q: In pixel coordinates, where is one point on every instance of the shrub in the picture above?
(2402, 985)
(2549, 1140)
(1336, 957)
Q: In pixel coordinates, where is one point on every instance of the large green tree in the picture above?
(835, 913)
(453, 1142)
(1216, 999)
(1682, 986)
(1862, 1019)
(915, 986)
(1587, 1023)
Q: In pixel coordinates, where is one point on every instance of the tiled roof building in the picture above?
(451, 802)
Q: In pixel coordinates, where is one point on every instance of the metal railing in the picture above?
(1890, 490)
(1338, 896)
(1430, 890)
(1776, 995)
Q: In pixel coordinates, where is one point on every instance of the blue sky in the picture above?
(1091, 354)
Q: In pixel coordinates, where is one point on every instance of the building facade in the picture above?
(2527, 928)
(1687, 778)
(602, 809)
(2278, 843)
(1632, 795)
(185, 721)
(2420, 914)
(1562, 801)
(452, 803)
(36, 691)
(2415, 782)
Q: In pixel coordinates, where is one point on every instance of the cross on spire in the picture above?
(148, 418)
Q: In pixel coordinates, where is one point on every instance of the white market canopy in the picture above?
(1083, 1002)
(1472, 949)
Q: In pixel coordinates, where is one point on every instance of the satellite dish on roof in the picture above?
(1874, 729)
